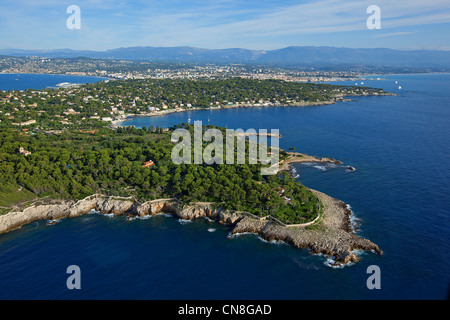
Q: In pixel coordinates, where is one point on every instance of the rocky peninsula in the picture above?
(297, 157)
(331, 235)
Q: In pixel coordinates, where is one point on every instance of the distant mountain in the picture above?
(290, 56)
(373, 57)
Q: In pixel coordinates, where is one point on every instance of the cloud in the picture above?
(393, 34)
(214, 24)
(321, 17)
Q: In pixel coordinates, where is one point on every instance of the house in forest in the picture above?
(148, 164)
(24, 152)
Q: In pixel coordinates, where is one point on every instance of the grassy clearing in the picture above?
(11, 195)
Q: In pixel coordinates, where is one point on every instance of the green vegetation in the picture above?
(70, 151)
(74, 164)
(12, 194)
(94, 105)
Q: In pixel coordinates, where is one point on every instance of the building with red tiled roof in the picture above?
(148, 164)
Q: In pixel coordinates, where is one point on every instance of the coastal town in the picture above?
(65, 143)
(121, 69)
(109, 102)
(249, 155)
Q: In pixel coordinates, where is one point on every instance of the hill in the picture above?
(290, 56)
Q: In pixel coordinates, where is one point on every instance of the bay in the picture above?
(15, 81)
(398, 193)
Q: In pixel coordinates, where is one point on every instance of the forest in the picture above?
(85, 106)
(75, 163)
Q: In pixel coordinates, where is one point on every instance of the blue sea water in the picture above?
(399, 194)
(13, 81)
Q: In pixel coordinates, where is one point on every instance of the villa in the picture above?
(24, 152)
(148, 164)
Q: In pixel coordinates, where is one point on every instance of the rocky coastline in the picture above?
(297, 157)
(331, 235)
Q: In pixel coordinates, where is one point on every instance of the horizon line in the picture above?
(234, 48)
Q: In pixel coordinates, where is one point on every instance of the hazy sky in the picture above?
(254, 24)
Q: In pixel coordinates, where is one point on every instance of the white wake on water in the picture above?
(184, 221)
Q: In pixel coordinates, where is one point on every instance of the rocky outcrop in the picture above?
(117, 206)
(332, 237)
(296, 157)
(207, 210)
(337, 244)
(63, 209)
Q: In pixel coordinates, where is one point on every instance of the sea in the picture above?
(14, 81)
(399, 196)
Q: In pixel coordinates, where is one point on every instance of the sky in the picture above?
(219, 24)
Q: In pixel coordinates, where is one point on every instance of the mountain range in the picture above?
(289, 56)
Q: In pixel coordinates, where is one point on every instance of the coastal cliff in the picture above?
(113, 205)
(332, 236)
